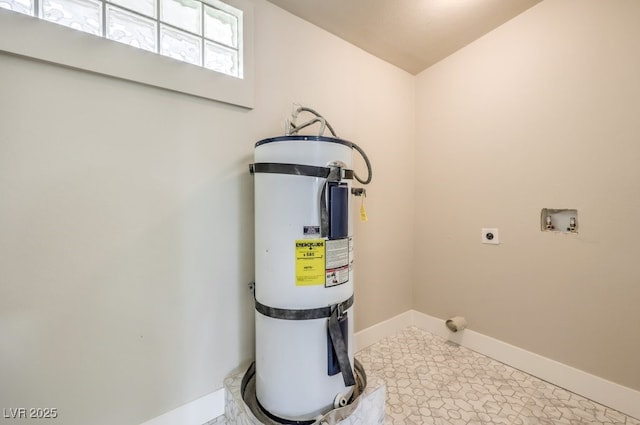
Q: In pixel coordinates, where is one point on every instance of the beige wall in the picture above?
(126, 221)
(542, 112)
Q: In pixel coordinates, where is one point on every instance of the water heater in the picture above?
(304, 255)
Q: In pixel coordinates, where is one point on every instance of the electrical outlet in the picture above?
(490, 236)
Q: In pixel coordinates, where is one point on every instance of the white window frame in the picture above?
(31, 37)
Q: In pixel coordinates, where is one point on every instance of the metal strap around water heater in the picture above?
(296, 170)
(334, 313)
(340, 347)
(304, 314)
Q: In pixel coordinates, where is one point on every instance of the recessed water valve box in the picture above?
(559, 220)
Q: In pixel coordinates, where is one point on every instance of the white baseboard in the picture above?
(375, 333)
(197, 412)
(616, 396)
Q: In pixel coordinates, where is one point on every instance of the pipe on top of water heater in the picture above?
(292, 129)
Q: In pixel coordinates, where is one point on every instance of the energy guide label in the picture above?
(310, 262)
(337, 266)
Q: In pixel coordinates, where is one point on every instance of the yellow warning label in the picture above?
(310, 262)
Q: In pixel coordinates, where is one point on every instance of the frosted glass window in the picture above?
(184, 14)
(221, 27)
(221, 59)
(146, 7)
(207, 33)
(82, 15)
(132, 29)
(180, 45)
(22, 6)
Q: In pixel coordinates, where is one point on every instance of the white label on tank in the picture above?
(311, 231)
(350, 254)
(337, 267)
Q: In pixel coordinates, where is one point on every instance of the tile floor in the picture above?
(432, 381)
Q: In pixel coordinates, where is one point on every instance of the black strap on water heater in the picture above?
(306, 314)
(295, 170)
(324, 213)
(340, 347)
(334, 313)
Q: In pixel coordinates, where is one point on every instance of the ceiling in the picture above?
(411, 34)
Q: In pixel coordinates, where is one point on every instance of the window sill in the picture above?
(34, 38)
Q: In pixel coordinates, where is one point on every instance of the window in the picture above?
(211, 34)
(207, 33)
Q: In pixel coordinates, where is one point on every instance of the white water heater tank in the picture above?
(303, 263)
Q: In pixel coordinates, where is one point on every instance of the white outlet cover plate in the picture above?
(490, 236)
